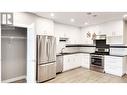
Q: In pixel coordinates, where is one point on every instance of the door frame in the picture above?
(33, 72)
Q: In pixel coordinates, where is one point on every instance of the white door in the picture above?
(31, 54)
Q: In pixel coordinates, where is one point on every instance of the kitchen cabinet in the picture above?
(115, 65)
(76, 60)
(70, 62)
(85, 60)
(44, 27)
(114, 39)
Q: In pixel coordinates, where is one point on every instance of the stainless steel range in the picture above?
(97, 58)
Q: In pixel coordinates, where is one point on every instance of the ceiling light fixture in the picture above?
(85, 23)
(125, 17)
(52, 14)
(72, 20)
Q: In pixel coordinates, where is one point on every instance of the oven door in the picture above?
(97, 61)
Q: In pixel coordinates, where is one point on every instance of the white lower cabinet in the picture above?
(85, 61)
(76, 60)
(115, 65)
(70, 62)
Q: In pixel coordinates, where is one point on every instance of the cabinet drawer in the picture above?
(113, 61)
(113, 64)
(114, 71)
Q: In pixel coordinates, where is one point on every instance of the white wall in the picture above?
(111, 28)
(23, 18)
(73, 33)
(42, 26)
(90, 29)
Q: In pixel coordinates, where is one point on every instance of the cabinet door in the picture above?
(114, 61)
(114, 40)
(113, 65)
(86, 61)
(114, 70)
(78, 59)
(70, 62)
(75, 60)
(66, 62)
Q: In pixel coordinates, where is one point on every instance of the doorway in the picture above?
(13, 54)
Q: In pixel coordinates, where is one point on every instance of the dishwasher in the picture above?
(59, 64)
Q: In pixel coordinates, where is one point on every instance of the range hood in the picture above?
(100, 37)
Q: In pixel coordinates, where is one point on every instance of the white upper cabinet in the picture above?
(66, 31)
(112, 29)
(44, 27)
(114, 32)
(115, 40)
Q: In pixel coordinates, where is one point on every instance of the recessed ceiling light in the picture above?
(85, 23)
(52, 14)
(125, 17)
(72, 20)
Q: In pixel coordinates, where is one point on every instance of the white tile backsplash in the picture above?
(87, 49)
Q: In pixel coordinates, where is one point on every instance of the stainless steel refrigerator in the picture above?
(46, 58)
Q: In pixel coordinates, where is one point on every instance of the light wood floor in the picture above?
(82, 75)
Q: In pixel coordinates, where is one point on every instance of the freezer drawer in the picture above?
(46, 72)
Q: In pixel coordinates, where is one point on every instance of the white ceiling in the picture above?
(82, 17)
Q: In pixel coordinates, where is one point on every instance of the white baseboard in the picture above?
(14, 79)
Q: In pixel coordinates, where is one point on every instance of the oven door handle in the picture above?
(97, 57)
